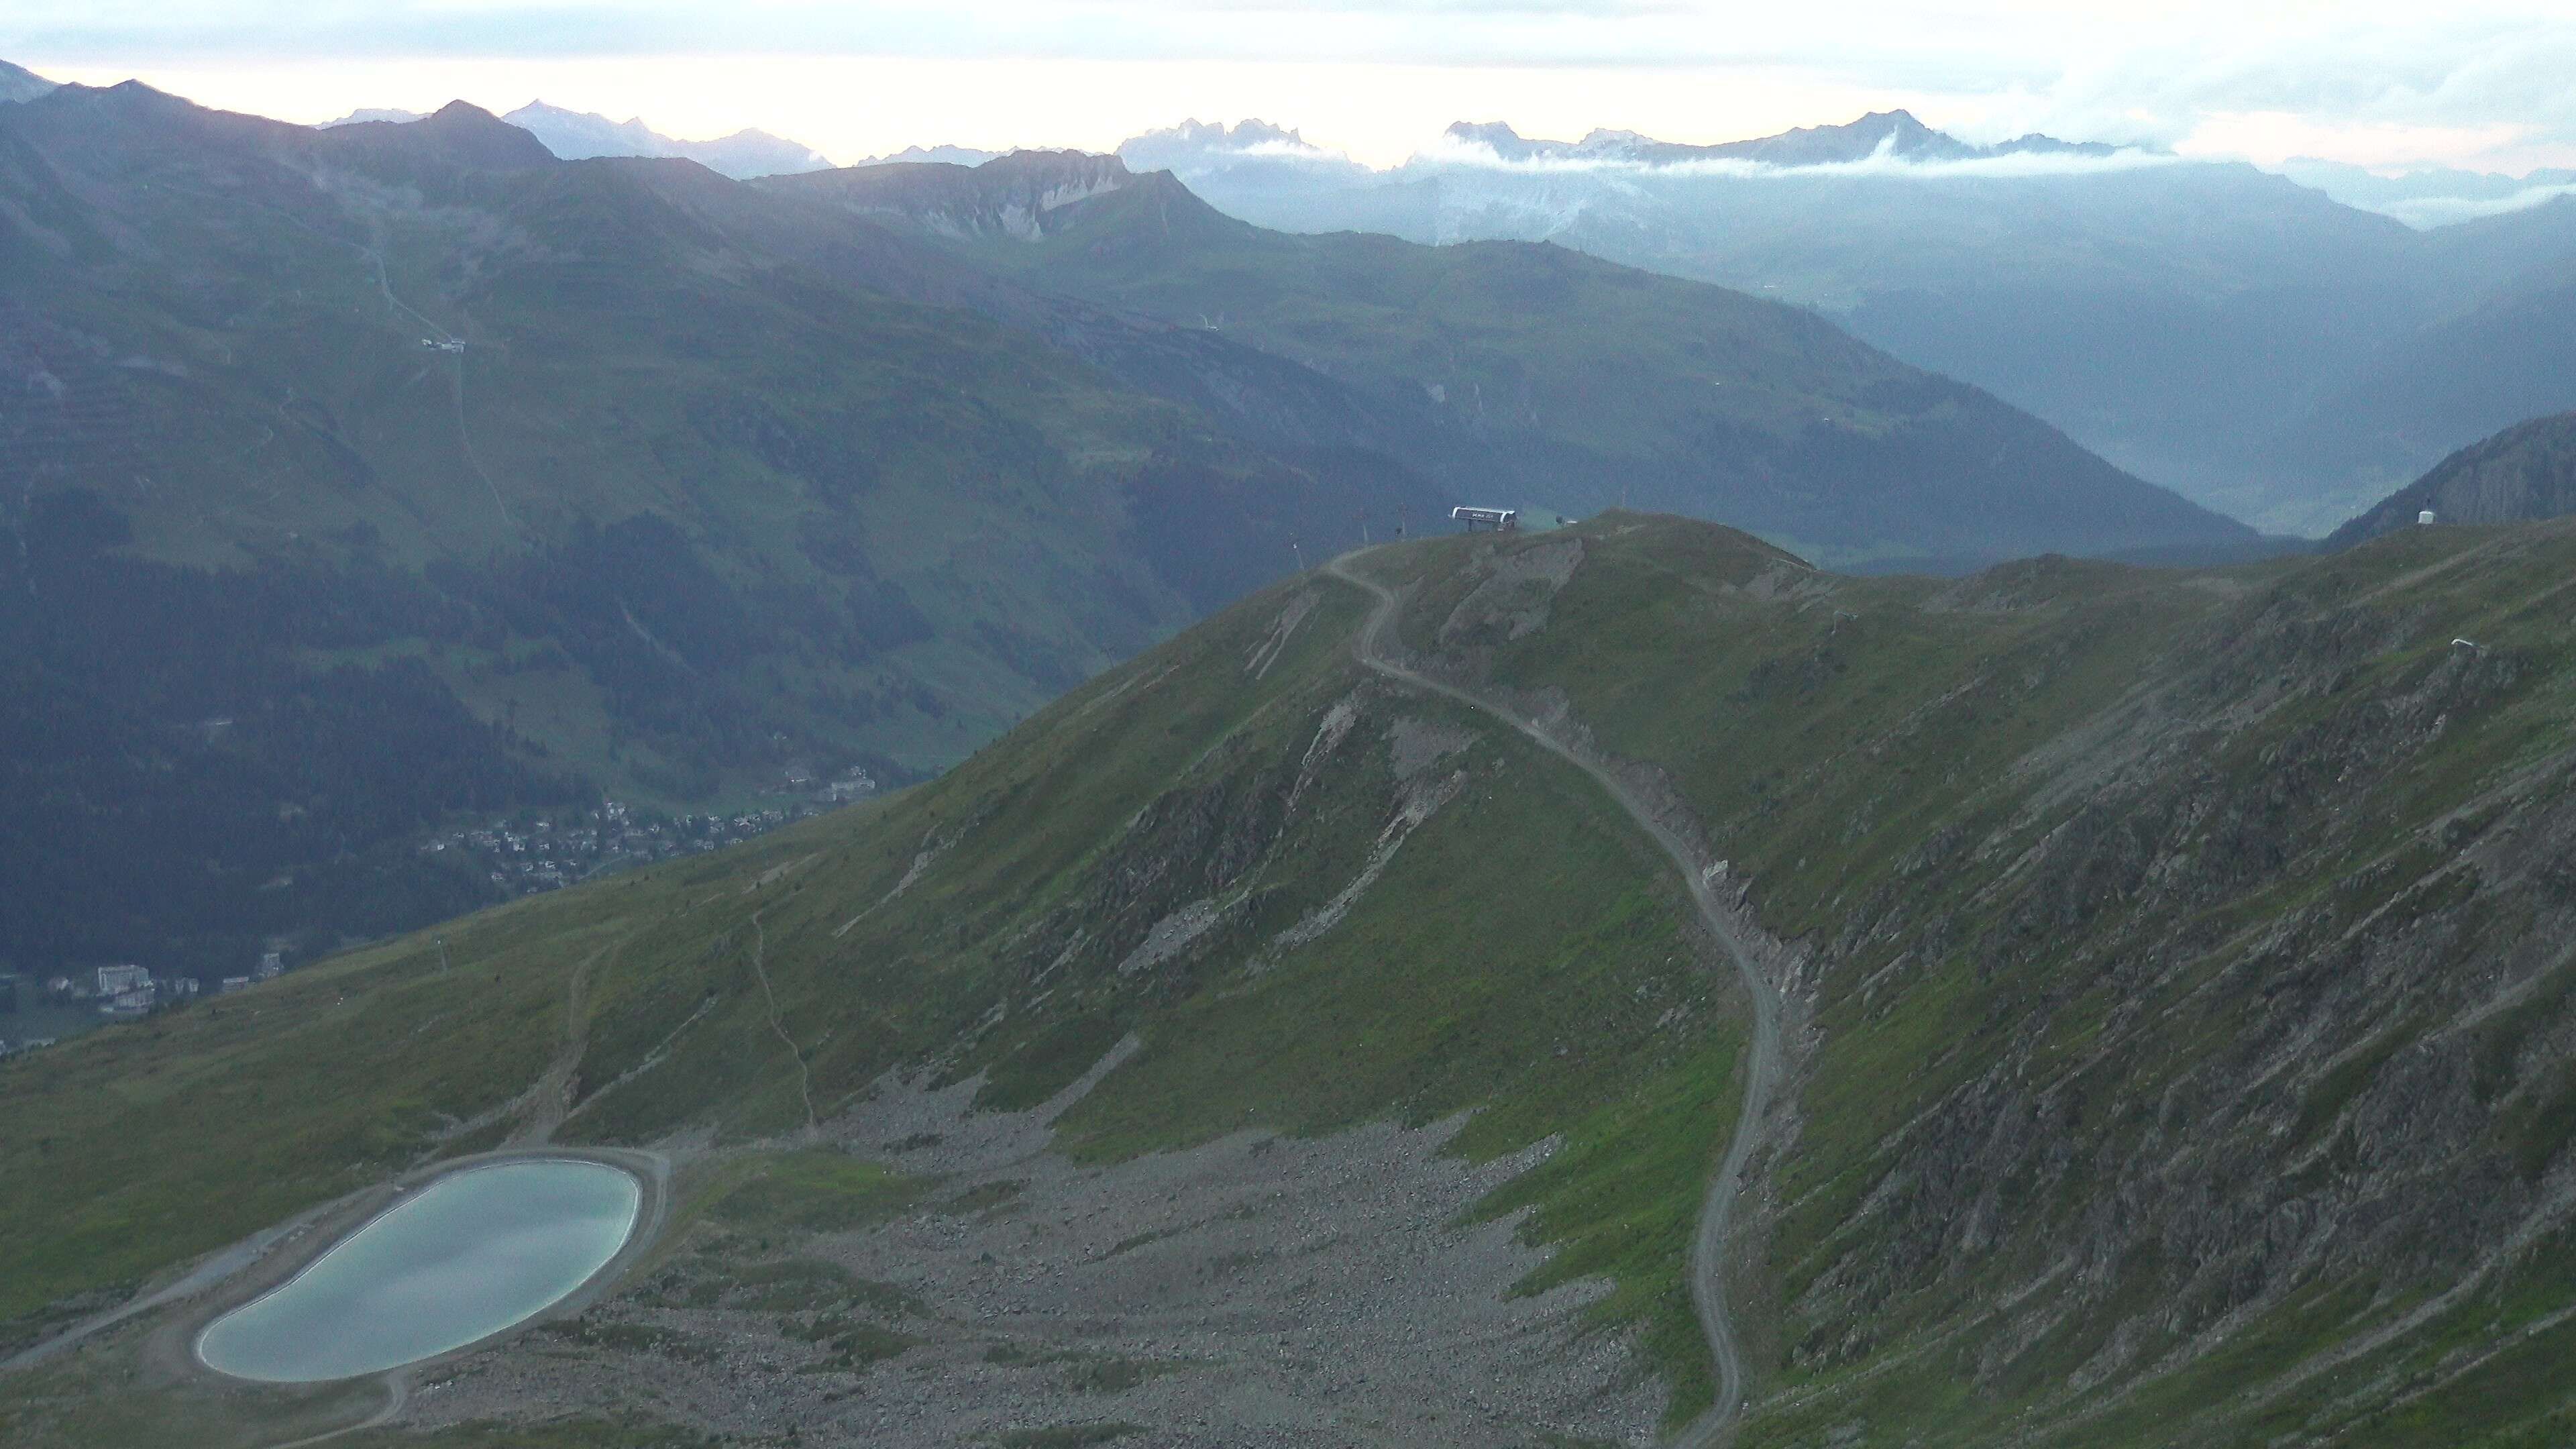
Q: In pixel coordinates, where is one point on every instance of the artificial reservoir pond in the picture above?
(465, 1257)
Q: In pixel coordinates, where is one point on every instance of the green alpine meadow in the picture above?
(2171, 1023)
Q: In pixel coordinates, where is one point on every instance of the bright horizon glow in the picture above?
(2369, 83)
(855, 107)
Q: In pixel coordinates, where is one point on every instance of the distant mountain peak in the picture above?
(366, 115)
(460, 130)
(1243, 135)
(17, 83)
(1498, 136)
(1017, 196)
(467, 133)
(934, 155)
(1252, 145)
(1898, 134)
(580, 135)
(1040, 159)
(632, 131)
(127, 99)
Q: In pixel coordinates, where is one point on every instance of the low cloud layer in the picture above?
(2425, 213)
(1883, 162)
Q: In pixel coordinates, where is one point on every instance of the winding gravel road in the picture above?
(1762, 1079)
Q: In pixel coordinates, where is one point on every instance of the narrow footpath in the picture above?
(804, 1074)
(1762, 1075)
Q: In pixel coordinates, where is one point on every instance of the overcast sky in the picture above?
(2483, 83)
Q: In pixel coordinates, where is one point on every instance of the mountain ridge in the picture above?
(1772, 430)
(2173, 997)
(2143, 303)
(17, 83)
(1894, 135)
(585, 135)
(2523, 474)
(531, 445)
(742, 155)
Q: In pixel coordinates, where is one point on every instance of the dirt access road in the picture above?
(1762, 1077)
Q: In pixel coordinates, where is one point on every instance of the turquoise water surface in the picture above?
(466, 1256)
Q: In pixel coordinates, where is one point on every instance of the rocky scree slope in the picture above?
(2185, 963)
(1315, 901)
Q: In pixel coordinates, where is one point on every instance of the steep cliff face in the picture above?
(2527, 471)
(1017, 197)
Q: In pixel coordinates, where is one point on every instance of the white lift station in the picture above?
(1501, 520)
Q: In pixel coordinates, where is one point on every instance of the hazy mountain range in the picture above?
(1564, 378)
(581, 135)
(2436, 196)
(2252, 342)
(607, 476)
(951, 155)
(617, 476)
(535, 452)
(2272, 348)
(1880, 135)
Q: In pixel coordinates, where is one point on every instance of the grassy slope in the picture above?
(1841, 738)
(1524, 903)
(712, 500)
(623, 358)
